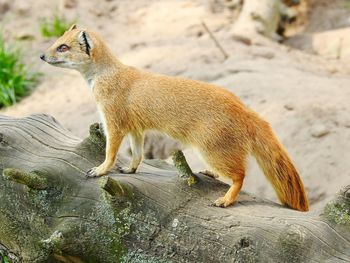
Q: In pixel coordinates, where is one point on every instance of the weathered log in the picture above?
(151, 216)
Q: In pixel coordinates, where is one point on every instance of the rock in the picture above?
(22, 7)
(4, 7)
(245, 40)
(258, 17)
(319, 131)
(113, 8)
(70, 3)
(289, 106)
(233, 4)
(333, 44)
(263, 53)
(24, 36)
(97, 13)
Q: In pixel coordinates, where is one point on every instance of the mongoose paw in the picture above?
(222, 202)
(93, 172)
(127, 170)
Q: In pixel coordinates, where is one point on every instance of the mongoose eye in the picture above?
(63, 48)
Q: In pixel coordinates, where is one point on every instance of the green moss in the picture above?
(135, 220)
(96, 135)
(294, 244)
(103, 231)
(94, 146)
(34, 180)
(20, 221)
(115, 188)
(338, 210)
(45, 202)
(338, 213)
(140, 256)
(53, 243)
(184, 169)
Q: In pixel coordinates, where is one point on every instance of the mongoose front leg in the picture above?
(136, 144)
(114, 138)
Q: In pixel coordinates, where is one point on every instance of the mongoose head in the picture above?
(74, 49)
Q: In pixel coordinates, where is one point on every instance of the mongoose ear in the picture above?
(74, 26)
(85, 41)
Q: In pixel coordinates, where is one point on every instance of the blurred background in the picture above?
(286, 59)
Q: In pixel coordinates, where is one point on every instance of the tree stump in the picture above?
(50, 212)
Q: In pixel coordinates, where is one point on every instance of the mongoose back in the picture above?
(199, 114)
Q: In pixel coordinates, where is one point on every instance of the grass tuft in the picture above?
(15, 79)
(54, 28)
(346, 4)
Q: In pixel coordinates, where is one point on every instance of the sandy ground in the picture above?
(304, 97)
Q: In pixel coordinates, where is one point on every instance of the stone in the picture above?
(4, 7)
(289, 106)
(22, 7)
(258, 17)
(333, 44)
(70, 3)
(319, 131)
(23, 35)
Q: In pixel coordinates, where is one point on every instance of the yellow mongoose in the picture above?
(199, 114)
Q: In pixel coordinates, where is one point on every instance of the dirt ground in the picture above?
(304, 97)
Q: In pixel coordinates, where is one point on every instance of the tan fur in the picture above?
(199, 114)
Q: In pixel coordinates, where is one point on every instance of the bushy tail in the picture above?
(279, 169)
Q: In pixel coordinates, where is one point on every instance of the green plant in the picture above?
(15, 79)
(4, 259)
(346, 4)
(55, 28)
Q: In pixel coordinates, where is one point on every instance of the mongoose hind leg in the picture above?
(136, 145)
(231, 196)
(233, 168)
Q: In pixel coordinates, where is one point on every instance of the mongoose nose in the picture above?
(42, 57)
